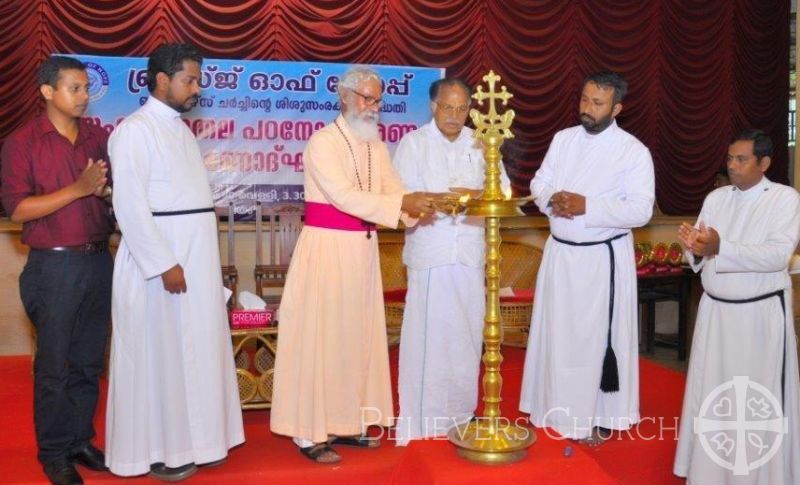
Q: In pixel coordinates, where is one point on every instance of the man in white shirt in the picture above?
(595, 184)
(173, 399)
(743, 368)
(441, 337)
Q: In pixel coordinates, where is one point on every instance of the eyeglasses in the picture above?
(369, 100)
(451, 110)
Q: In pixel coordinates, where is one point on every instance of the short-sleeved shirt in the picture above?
(38, 160)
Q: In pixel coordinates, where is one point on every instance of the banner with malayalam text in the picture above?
(254, 118)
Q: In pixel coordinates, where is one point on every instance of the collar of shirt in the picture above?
(465, 135)
(160, 108)
(603, 135)
(445, 155)
(45, 127)
(754, 191)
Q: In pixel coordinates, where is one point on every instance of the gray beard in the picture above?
(364, 130)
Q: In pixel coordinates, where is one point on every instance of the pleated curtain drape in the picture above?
(699, 70)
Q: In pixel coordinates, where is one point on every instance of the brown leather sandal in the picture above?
(321, 453)
(357, 441)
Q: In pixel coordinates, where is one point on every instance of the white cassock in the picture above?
(173, 395)
(442, 332)
(759, 230)
(569, 328)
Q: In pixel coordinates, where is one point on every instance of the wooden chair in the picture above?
(395, 282)
(230, 275)
(283, 225)
(519, 265)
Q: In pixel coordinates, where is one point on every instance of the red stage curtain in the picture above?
(699, 70)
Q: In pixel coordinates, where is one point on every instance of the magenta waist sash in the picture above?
(329, 217)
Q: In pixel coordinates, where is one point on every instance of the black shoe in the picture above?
(62, 472)
(162, 472)
(90, 457)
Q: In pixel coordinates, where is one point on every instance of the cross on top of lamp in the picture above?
(491, 123)
(492, 128)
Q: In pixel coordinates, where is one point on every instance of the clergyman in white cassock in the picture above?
(595, 184)
(743, 373)
(441, 336)
(173, 396)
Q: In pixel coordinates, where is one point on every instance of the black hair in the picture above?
(52, 67)
(762, 143)
(609, 79)
(168, 58)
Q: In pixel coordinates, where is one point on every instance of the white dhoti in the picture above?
(440, 350)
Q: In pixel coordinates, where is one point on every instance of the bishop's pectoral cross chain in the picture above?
(366, 224)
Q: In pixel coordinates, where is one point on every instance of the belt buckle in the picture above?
(92, 247)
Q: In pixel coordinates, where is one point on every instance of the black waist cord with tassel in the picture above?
(609, 380)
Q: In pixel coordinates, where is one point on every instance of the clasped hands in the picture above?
(567, 204)
(93, 179)
(700, 241)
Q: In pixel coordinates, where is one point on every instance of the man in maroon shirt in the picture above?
(55, 182)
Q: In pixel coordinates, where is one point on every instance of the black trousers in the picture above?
(67, 296)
